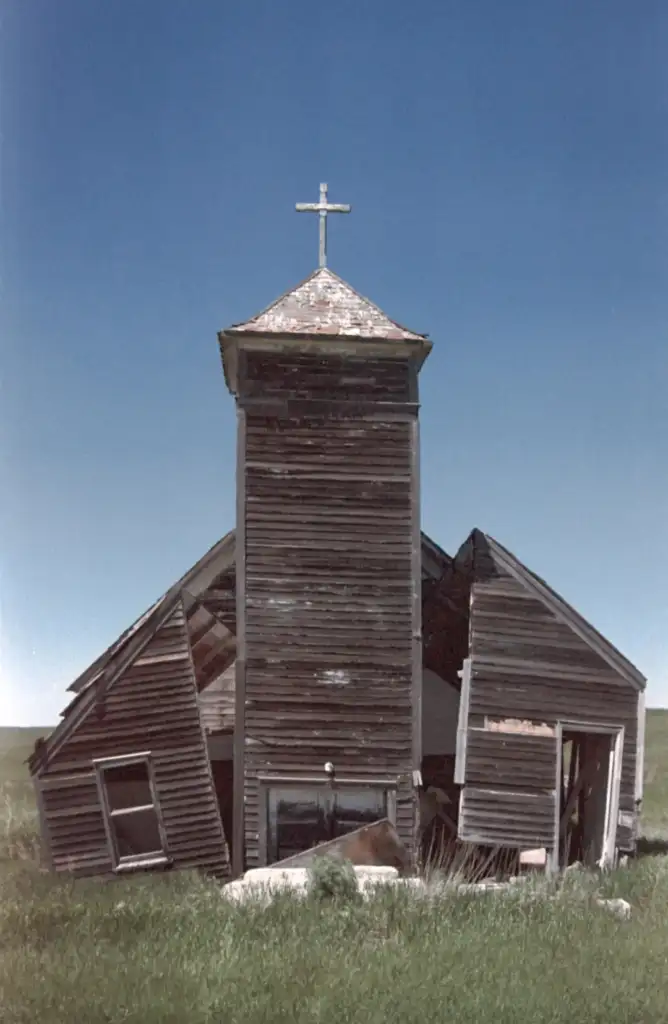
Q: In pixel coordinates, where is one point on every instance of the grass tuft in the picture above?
(331, 878)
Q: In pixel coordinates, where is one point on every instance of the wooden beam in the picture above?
(577, 791)
(216, 666)
(238, 809)
(224, 617)
(200, 632)
(212, 594)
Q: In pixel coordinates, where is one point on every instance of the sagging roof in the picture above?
(217, 560)
(325, 305)
(221, 557)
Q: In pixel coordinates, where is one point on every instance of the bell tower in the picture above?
(329, 652)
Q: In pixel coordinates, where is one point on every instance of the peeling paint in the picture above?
(336, 677)
(324, 304)
(517, 725)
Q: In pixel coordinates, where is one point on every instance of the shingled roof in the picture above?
(326, 306)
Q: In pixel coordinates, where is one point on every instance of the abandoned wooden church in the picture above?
(326, 665)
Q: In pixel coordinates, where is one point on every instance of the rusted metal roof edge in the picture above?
(566, 612)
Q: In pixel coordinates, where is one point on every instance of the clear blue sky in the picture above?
(507, 163)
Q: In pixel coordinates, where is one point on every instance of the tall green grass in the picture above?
(172, 949)
(18, 812)
(655, 800)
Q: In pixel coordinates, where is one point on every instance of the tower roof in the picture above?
(324, 305)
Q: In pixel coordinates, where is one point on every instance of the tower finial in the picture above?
(323, 208)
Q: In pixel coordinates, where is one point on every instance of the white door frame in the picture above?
(609, 852)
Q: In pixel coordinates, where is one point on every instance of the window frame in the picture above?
(267, 783)
(139, 860)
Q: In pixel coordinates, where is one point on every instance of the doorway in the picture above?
(588, 778)
(219, 747)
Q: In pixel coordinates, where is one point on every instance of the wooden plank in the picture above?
(564, 612)
(238, 852)
(332, 565)
(378, 843)
(291, 408)
(166, 725)
(462, 724)
(584, 773)
(416, 569)
(640, 747)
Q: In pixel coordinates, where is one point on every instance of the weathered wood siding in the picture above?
(151, 707)
(530, 665)
(329, 575)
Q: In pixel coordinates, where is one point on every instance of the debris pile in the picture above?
(264, 883)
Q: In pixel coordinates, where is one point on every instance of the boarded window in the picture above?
(301, 817)
(132, 812)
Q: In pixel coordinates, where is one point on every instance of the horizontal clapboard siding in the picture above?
(501, 817)
(329, 526)
(75, 839)
(326, 376)
(505, 758)
(528, 664)
(152, 707)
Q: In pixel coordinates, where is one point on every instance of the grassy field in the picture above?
(171, 950)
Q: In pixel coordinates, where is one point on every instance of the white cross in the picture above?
(323, 208)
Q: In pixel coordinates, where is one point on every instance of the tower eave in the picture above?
(232, 340)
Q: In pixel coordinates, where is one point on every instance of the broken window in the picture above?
(354, 808)
(300, 817)
(131, 810)
(297, 821)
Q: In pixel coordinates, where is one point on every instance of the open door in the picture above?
(590, 772)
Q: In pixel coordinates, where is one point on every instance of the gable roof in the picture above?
(325, 305)
(108, 667)
(506, 560)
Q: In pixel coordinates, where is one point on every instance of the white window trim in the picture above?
(463, 723)
(640, 750)
(611, 819)
(136, 861)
